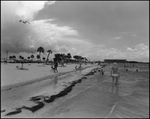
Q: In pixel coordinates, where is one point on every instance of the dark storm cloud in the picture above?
(14, 37)
(101, 21)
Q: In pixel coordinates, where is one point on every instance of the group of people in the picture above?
(54, 66)
(114, 73)
(78, 68)
(114, 70)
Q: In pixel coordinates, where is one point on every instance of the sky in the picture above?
(97, 30)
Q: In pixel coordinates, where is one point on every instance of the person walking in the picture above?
(55, 66)
(115, 73)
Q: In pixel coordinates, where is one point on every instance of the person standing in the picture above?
(55, 66)
(115, 73)
(99, 63)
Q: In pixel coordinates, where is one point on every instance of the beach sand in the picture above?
(91, 95)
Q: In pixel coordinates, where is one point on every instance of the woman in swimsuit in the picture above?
(115, 73)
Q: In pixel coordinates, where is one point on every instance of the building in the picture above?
(115, 60)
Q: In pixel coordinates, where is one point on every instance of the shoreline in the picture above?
(16, 97)
(16, 85)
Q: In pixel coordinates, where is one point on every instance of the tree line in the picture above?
(59, 57)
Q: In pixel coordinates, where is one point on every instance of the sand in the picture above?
(10, 75)
(91, 96)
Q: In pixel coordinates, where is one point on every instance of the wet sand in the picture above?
(81, 95)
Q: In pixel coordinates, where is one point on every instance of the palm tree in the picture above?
(20, 57)
(10, 57)
(43, 59)
(49, 52)
(76, 57)
(69, 55)
(58, 57)
(14, 57)
(28, 58)
(32, 56)
(38, 57)
(40, 49)
(23, 58)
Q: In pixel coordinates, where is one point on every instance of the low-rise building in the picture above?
(115, 60)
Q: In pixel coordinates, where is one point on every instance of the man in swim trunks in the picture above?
(115, 73)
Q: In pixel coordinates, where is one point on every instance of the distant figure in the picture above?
(78, 68)
(52, 66)
(55, 66)
(102, 72)
(133, 65)
(99, 63)
(115, 73)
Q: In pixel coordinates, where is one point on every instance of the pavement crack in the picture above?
(112, 109)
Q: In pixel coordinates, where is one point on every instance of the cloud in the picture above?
(22, 9)
(141, 46)
(28, 9)
(140, 51)
(134, 35)
(17, 37)
(130, 49)
(100, 52)
(117, 38)
(48, 33)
